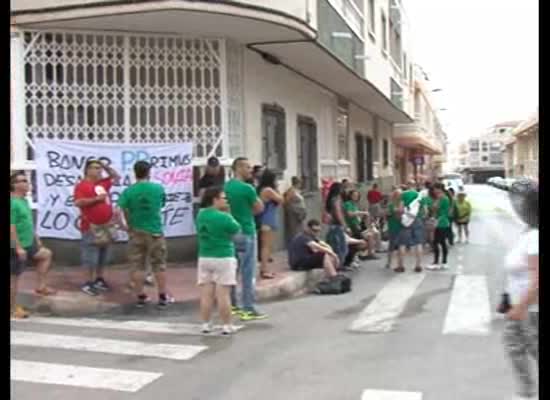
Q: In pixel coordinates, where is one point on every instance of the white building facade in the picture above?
(310, 88)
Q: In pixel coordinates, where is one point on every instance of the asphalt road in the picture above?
(438, 339)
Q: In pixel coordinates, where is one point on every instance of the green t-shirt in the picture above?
(425, 204)
(443, 212)
(242, 197)
(144, 201)
(394, 223)
(464, 210)
(215, 230)
(351, 206)
(21, 217)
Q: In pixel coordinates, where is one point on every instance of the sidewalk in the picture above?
(181, 284)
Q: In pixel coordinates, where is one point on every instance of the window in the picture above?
(405, 69)
(484, 146)
(502, 130)
(274, 137)
(386, 152)
(343, 130)
(496, 146)
(395, 44)
(372, 16)
(474, 145)
(307, 154)
(125, 88)
(364, 158)
(496, 158)
(484, 158)
(384, 31)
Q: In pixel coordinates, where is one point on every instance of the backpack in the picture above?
(338, 285)
(410, 213)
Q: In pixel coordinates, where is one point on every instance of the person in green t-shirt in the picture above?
(463, 214)
(441, 206)
(244, 204)
(412, 236)
(142, 204)
(394, 227)
(27, 246)
(217, 265)
(352, 214)
(358, 225)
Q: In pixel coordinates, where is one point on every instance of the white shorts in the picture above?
(221, 271)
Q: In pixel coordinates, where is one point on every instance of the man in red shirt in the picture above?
(91, 195)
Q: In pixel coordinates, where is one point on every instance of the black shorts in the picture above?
(314, 261)
(17, 266)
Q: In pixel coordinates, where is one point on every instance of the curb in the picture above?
(74, 303)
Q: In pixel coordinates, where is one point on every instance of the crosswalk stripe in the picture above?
(91, 344)
(73, 375)
(177, 328)
(469, 309)
(380, 315)
(371, 394)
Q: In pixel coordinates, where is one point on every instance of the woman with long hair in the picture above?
(217, 265)
(521, 329)
(336, 236)
(272, 199)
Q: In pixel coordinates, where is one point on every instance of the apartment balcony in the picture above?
(416, 136)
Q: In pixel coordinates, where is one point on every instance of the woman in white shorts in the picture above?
(217, 269)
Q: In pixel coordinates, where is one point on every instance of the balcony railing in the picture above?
(351, 14)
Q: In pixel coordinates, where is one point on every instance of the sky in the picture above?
(483, 54)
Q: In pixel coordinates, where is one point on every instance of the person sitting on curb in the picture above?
(306, 251)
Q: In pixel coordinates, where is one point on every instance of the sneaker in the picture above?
(418, 269)
(149, 280)
(20, 313)
(164, 302)
(433, 267)
(89, 289)
(228, 330)
(142, 301)
(236, 310)
(206, 328)
(399, 270)
(252, 315)
(444, 266)
(101, 286)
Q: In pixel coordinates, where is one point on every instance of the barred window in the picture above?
(124, 88)
(308, 161)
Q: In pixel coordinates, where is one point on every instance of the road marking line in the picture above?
(136, 326)
(73, 375)
(99, 345)
(370, 394)
(469, 310)
(381, 314)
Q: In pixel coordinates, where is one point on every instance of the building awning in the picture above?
(242, 22)
(313, 60)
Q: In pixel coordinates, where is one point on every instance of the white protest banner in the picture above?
(60, 165)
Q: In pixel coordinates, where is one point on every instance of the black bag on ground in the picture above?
(338, 285)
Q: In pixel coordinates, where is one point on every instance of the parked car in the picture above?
(507, 183)
(493, 180)
(453, 181)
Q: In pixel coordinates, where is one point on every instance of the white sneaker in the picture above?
(433, 267)
(444, 266)
(228, 330)
(206, 327)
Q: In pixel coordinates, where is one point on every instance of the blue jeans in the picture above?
(92, 256)
(336, 238)
(246, 255)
